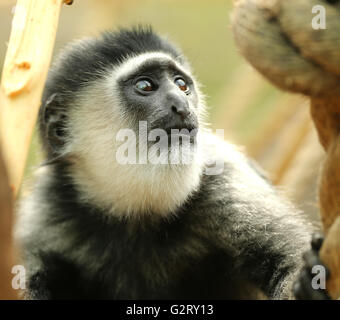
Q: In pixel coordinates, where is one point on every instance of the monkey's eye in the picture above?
(145, 85)
(180, 83)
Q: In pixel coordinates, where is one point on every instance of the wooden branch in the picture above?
(277, 38)
(27, 61)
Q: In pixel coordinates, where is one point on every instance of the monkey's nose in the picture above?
(181, 110)
(178, 105)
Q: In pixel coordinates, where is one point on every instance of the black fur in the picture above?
(209, 250)
(229, 240)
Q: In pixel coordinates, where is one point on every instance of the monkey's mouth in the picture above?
(185, 131)
(188, 127)
(173, 130)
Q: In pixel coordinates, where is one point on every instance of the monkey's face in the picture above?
(151, 95)
(149, 107)
(160, 92)
(159, 100)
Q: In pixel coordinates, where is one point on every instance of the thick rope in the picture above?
(277, 38)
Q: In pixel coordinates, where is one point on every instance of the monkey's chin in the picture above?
(172, 157)
(177, 151)
(184, 155)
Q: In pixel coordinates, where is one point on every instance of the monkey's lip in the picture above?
(181, 130)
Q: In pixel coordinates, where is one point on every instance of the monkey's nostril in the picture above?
(182, 111)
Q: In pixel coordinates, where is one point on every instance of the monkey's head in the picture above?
(123, 111)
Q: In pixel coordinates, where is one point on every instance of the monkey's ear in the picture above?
(53, 120)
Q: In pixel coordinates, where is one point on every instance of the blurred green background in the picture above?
(274, 127)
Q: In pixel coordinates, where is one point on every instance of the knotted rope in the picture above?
(280, 40)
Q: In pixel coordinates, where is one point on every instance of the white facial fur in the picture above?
(123, 190)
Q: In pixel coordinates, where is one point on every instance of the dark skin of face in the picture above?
(162, 95)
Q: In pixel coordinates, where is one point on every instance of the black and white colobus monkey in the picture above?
(94, 227)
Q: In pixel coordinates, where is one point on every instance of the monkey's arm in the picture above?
(262, 233)
(266, 247)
